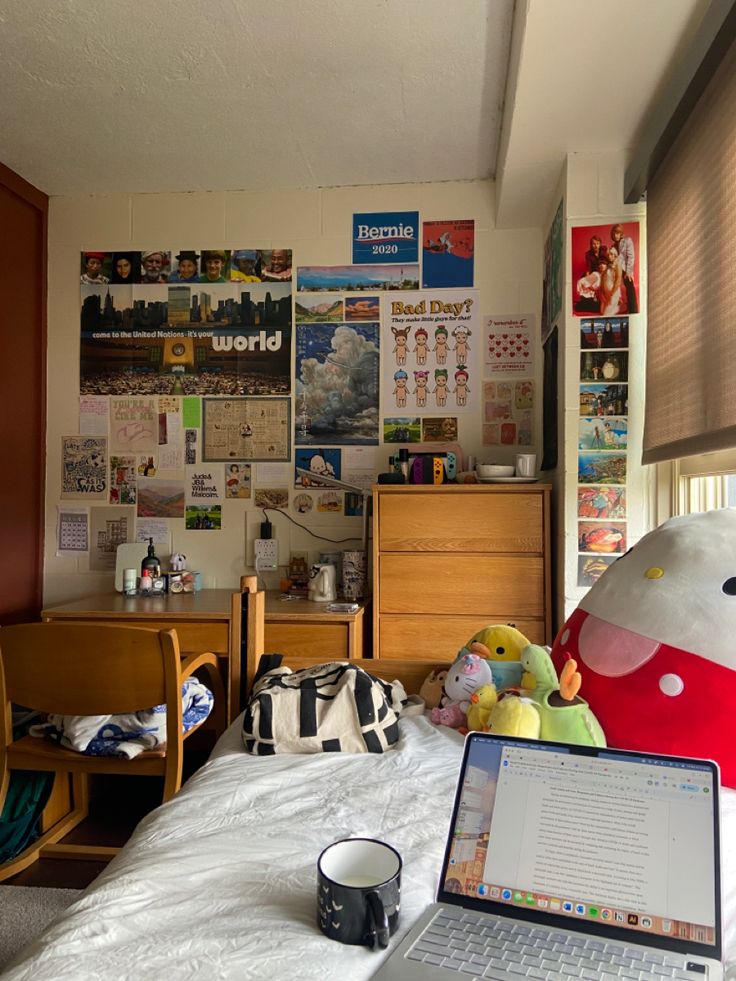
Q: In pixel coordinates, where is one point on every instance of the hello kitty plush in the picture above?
(654, 642)
(463, 677)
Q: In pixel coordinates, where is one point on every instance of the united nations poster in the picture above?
(232, 339)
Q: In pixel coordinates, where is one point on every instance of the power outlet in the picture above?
(266, 553)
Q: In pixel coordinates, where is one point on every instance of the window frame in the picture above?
(693, 483)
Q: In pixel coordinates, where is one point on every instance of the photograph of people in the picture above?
(244, 266)
(92, 269)
(126, 267)
(605, 269)
(276, 266)
(187, 270)
(627, 254)
(214, 266)
(155, 266)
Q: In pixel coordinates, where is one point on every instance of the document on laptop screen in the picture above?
(625, 841)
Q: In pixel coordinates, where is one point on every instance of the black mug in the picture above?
(359, 891)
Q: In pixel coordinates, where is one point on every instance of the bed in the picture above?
(220, 881)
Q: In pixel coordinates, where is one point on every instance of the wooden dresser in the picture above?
(452, 559)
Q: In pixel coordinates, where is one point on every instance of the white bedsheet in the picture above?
(220, 882)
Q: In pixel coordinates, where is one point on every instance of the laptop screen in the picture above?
(613, 840)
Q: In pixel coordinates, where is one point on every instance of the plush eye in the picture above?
(500, 650)
(729, 586)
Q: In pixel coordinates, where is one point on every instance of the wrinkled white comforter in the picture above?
(220, 882)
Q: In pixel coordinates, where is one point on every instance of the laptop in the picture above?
(573, 861)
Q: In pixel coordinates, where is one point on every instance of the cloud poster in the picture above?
(337, 378)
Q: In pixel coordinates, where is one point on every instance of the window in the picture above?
(697, 483)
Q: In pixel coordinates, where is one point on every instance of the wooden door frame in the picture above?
(36, 198)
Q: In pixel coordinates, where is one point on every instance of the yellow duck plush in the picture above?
(515, 716)
(482, 702)
(501, 645)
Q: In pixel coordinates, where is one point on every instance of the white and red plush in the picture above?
(655, 642)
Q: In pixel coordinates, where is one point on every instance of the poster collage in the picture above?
(216, 374)
(605, 283)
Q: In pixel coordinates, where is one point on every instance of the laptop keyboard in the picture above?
(481, 945)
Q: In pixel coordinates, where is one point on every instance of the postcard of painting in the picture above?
(448, 249)
(604, 400)
(337, 376)
(604, 332)
(601, 468)
(591, 568)
(607, 433)
(402, 429)
(238, 481)
(159, 498)
(357, 279)
(123, 477)
(319, 310)
(313, 463)
(601, 502)
(602, 537)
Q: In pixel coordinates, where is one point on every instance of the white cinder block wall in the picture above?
(316, 225)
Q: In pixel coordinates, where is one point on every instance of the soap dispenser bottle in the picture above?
(151, 565)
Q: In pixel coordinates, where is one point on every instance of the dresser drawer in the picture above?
(441, 637)
(449, 522)
(487, 586)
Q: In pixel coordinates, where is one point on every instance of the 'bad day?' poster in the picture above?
(198, 339)
(432, 352)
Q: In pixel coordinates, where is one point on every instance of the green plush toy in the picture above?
(564, 716)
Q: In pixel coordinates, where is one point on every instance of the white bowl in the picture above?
(494, 470)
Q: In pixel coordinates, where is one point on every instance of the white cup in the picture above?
(526, 464)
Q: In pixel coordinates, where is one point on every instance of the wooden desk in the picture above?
(211, 621)
(299, 627)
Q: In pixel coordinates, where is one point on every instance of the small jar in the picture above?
(130, 581)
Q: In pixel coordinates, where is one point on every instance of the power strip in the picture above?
(266, 552)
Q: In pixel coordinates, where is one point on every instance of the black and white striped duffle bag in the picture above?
(329, 708)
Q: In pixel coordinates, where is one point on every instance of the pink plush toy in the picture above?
(654, 642)
(464, 676)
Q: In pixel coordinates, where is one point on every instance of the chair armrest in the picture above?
(194, 661)
(210, 663)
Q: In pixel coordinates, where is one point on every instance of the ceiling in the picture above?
(165, 95)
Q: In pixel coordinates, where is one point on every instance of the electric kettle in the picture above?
(322, 583)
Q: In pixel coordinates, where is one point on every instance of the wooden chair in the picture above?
(92, 669)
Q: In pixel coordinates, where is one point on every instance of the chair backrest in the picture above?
(90, 669)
